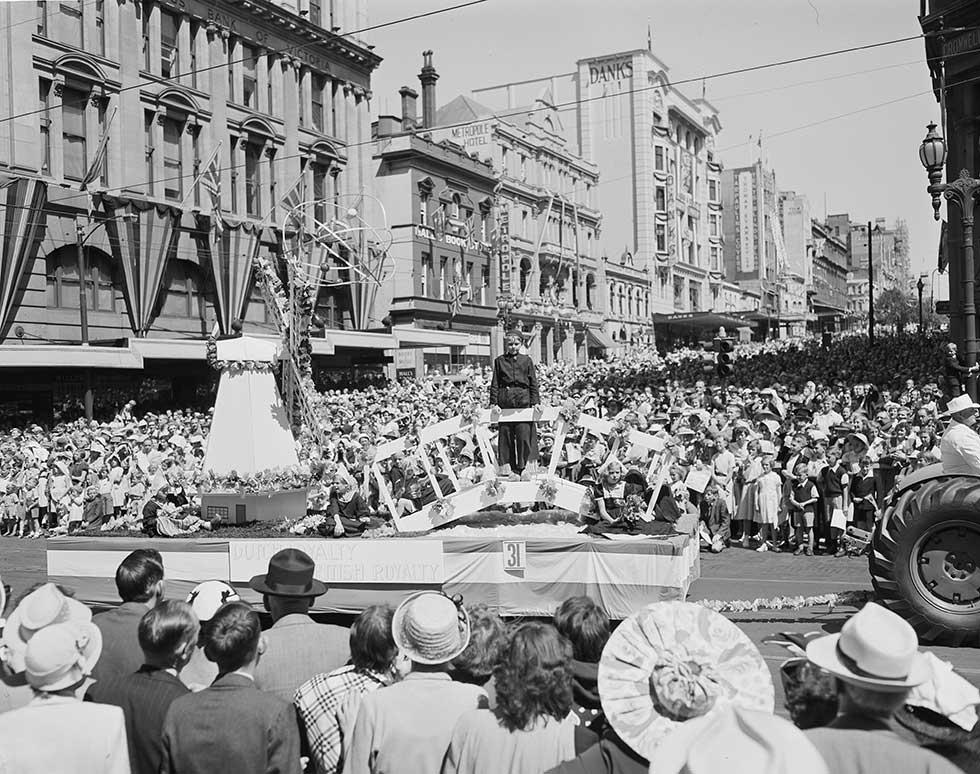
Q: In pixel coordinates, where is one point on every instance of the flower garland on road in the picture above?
(834, 600)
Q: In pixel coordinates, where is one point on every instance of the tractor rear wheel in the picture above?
(925, 559)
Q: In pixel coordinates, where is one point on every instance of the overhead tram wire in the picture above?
(503, 115)
(712, 76)
(290, 50)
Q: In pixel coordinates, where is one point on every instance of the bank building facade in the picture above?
(125, 117)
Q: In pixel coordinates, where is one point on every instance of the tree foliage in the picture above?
(893, 307)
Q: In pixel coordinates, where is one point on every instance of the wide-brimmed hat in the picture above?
(875, 649)
(673, 661)
(861, 438)
(205, 598)
(62, 655)
(960, 403)
(43, 607)
(736, 739)
(431, 628)
(290, 574)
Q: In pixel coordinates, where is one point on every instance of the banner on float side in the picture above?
(376, 562)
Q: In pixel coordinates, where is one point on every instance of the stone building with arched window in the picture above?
(272, 96)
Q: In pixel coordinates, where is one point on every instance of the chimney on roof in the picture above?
(410, 114)
(428, 77)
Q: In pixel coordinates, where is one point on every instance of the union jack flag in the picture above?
(210, 178)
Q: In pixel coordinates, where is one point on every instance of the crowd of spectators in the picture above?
(437, 685)
(800, 442)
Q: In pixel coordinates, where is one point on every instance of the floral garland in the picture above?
(841, 599)
(262, 482)
(233, 366)
(493, 488)
(569, 411)
(548, 490)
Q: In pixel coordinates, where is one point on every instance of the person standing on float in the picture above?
(514, 385)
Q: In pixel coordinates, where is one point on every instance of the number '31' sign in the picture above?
(514, 555)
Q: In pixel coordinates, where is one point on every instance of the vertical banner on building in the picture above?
(503, 252)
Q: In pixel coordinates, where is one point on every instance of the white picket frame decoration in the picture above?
(450, 506)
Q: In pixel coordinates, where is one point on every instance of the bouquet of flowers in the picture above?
(620, 432)
(633, 510)
(308, 525)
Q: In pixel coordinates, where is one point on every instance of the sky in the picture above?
(864, 164)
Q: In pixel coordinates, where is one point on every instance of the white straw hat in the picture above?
(43, 607)
(431, 628)
(62, 655)
(875, 648)
(960, 403)
(732, 738)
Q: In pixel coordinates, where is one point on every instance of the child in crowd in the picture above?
(803, 507)
(76, 509)
(8, 512)
(28, 509)
(768, 490)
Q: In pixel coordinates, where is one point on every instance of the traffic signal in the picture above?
(723, 355)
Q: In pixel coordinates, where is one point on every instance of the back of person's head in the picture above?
(868, 702)
(233, 637)
(533, 676)
(372, 646)
(139, 577)
(488, 635)
(585, 625)
(168, 634)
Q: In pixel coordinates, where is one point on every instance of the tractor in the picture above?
(925, 555)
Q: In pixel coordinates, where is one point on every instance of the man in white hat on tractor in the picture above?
(960, 446)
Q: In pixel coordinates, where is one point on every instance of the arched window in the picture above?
(101, 285)
(612, 298)
(183, 291)
(454, 211)
(622, 299)
(629, 302)
(590, 291)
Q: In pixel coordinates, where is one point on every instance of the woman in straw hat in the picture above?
(90, 737)
(406, 727)
(531, 727)
(664, 665)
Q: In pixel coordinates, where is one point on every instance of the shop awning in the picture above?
(824, 306)
(702, 320)
(68, 356)
(410, 337)
(600, 338)
(360, 339)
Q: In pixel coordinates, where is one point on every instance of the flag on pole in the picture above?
(210, 178)
(94, 172)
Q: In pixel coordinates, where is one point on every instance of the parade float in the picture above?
(252, 474)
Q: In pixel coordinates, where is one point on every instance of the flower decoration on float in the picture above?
(470, 414)
(442, 508)
(494, 487)
(569, 411)
(262, 482)
(620, 432)
(548, 490)
(635, 507)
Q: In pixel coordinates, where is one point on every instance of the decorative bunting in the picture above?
(230, 253)
(22, 222)
(142, 237)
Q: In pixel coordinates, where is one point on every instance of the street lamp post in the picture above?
(963, 192)
(920, 285)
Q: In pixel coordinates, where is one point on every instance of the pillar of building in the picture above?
(218, 128)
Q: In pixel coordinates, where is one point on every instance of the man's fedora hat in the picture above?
(875, 649)
(290, 575)
(958, 404)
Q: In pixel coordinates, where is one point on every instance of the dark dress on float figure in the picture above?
(515, 385)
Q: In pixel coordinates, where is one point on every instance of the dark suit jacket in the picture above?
(230, 727)
(121, 652)
(514, 383)
(144, 697)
